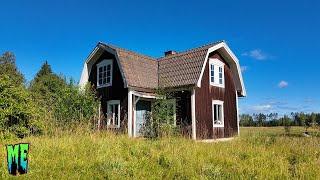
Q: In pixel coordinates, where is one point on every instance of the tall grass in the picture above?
(260, 153)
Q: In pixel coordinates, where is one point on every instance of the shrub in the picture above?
(19, 115)
(160, 122)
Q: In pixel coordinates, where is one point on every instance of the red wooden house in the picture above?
(206, 82)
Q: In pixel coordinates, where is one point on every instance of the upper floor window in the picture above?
(104, 73)
(216, 73)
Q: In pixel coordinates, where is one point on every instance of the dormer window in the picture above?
(104, 73)
(216, 73)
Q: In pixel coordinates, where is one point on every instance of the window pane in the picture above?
(104, 81)
(215, 112)
(100, 81)
(108, 73)
(109, 67)
(220, 81)
(108, 79)
(100, 69)
(116, 106)
(104, 68)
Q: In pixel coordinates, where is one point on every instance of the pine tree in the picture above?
(46, 86)
(44, 70)
(8, 67)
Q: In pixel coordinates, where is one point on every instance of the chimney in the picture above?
(169, 53)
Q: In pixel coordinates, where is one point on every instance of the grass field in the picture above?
(260, 153)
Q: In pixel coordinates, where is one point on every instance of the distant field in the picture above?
(260, 153)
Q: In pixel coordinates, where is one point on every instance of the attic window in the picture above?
(104, 73)
(216, 73)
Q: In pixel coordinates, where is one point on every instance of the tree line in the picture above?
(273, 119)
(47, 103)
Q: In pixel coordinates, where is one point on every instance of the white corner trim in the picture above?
(238, 118)
(129, 113)
(233, 57)
(193, 114)
(218, 102)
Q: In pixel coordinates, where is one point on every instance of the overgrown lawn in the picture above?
(260, 153)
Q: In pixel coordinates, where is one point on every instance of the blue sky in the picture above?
(277, 42)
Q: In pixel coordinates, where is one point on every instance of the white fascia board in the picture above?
(233, 57)
(88, 65)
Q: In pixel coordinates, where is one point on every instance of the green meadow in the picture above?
(259, 153)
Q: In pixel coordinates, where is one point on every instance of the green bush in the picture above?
(75, 106)
(19, 115)
(160, 122)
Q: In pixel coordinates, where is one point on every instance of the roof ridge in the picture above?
(128, 51)
(189, 50)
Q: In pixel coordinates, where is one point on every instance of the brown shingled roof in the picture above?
(139, 70)
(181, 69)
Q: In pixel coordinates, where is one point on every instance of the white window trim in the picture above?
(105, 62)
(217, 63)
(218, 102)
(114, 102)
(173, 102)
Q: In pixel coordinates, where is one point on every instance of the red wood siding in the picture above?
(114, 92)
(203, 103)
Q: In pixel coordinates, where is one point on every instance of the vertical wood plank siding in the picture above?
(204, 97)
(114, 92)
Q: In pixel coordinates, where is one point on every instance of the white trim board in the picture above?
(130, 113)
(193, 114)
(98, 50)
(235, 62)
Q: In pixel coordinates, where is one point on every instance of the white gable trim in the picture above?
(87, 68)
(233, 57)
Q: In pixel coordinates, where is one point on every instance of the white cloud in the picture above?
(262, 108)
(283, 84)
(244, 68)
(256, 54)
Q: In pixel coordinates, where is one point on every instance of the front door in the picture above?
(142, 108)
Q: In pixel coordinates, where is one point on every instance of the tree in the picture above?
(286, 122)
(260, 118)
(19, 115)
(44, 70)
(246, 120)
(8, 67)
(46, 87)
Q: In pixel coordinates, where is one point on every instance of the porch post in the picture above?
(193, 114)
(129, 113)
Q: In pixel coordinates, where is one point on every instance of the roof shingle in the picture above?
(176, 70)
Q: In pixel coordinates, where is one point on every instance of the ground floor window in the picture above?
(217, 113)
(171, 111)
(113, 117)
